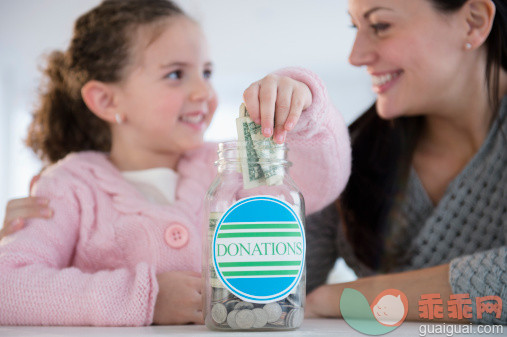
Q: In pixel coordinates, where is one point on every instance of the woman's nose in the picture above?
(362, 52)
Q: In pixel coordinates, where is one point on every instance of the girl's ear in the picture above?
(479, 18)
(99, 97)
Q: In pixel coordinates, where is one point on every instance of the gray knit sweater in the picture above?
(468, 228)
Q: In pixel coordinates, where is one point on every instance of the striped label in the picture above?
(259, 249)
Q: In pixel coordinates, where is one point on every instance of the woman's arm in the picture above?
(19, 210)
(325, 300)
(482, 274)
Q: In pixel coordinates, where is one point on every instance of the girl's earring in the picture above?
(119, 119)
(468, 46)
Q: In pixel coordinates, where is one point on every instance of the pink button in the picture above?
(176, 235)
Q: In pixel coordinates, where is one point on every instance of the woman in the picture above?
(425, 208)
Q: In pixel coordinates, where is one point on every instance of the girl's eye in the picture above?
(207, 74)
(175, 75)
(379, 27)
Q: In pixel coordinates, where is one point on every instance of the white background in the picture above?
(248, 39)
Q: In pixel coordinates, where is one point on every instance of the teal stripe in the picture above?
(260, 226)
(260, 273)
(260, 263)
(254, 234)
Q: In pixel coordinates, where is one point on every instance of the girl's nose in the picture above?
(201, 90)
(362, 52)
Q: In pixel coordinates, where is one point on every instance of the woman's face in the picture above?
(413, 52)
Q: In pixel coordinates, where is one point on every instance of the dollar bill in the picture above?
(242, 111)
(257, 153)
(253, 174)
(269, 153)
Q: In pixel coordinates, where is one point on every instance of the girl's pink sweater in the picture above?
(95, 262)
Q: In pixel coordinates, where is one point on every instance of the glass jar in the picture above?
(254, 246)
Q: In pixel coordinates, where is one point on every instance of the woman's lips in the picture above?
(382, 82)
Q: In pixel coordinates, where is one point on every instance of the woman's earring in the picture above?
(118, 118)
(468, 46)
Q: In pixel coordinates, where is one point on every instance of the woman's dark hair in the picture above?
(101, 49)
(382, 154)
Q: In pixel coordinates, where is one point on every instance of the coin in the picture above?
(231, 319)
(261, 317)
(219, 294)
(293, 301)
(230, 304)
(295, 318)
(274, 311)
(245, 319)
(244, 305)
(219, 313)
(281, 321)
(288, 319)
(286, 307)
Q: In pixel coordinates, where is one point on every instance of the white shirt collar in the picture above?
(158, 184)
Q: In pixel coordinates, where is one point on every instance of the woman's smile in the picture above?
(383, 81)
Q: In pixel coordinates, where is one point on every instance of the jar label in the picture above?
(259, 249)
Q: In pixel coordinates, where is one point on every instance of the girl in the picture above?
(123, 119)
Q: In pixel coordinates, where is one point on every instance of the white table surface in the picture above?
(310, 327)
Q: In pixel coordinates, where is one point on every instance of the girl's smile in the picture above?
(195, 120)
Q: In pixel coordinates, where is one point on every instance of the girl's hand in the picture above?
(276, 103)
(18, 210)
(179, 299)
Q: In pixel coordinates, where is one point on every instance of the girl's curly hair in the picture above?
(101, 49)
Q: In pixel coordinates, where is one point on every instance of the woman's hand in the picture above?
(324, 301)
(179, 299)
(18, 210)
(276, 102)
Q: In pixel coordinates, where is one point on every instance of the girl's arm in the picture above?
(39, 284)
(294, 101)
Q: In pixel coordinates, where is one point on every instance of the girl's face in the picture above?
(167, 99)
(413, 52)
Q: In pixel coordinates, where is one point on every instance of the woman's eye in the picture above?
(380, 27)
(175, 75)
(207, 74)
